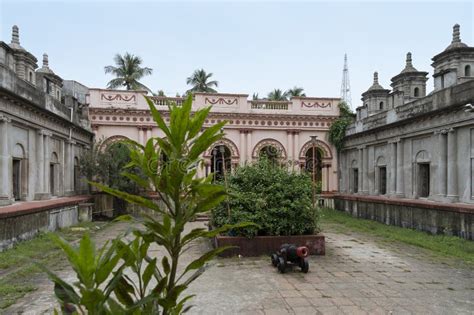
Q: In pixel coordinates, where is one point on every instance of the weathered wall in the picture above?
(438, 218)
(14, 229)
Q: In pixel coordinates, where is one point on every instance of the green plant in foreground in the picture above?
(140, 283)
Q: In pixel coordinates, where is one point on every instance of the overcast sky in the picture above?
(248, 46)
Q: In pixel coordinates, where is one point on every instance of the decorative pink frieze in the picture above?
(117, 97)
(315, 104)
(221, 101)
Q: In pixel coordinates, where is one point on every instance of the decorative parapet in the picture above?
(17, 88)
(220, 102)
(445, 99)
(270, 105)
(165, 101)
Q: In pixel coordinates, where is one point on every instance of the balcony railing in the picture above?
(165, 101)
(270, 105)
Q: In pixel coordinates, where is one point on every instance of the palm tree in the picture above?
(296, 91)
(200, 82)
(255, 97)
(277, 95)
(127, 71)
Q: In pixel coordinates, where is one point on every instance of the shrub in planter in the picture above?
(277, 201)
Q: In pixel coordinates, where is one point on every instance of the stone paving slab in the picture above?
(358, 275)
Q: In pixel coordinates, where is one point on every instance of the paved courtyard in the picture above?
(358, 275)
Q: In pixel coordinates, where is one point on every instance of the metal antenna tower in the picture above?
(346, 85)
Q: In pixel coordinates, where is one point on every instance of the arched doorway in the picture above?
(54, 174)
(270, 153)
(221, 161)
(19, 172)
(318, 164)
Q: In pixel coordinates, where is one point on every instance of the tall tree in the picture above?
(200, 82)
(127, 71)
(277, 95)
(296, 91)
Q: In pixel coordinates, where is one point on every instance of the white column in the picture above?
(148, 133)
(452, 166)
(64, 178)
(243, 147)
(365, 175)
(393, 168)
(296, 148)
(361, 171)
(140, 135)
(5, 163)
(289, 146)
(47, 157)
(400, 173)
(40, 163)
(442, 163)
(249, 146)
(70, 168)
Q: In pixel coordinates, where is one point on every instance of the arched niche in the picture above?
(321, 145)
(275, 149)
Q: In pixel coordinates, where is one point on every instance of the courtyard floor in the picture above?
(360, 274)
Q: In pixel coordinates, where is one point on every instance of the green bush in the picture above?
(278, 201)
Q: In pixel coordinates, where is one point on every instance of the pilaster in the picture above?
(361, 171)
(249, 146)
(393, 168)
(400, 171)
(5, 162)
(442, 162)
(452, 166)
(243, 147)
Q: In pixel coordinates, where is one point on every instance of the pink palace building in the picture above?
(280, 130)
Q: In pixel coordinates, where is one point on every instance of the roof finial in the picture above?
(376, 77)
(456, 34)
(45, 61)
(409, 64)
(15, 35)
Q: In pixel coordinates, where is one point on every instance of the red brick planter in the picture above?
(265, 245)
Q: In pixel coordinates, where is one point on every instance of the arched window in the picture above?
(221, 161)
(467, 71)
(317, 166)
(270, 153)
(416, 92)
(31, 77)
(381, 105)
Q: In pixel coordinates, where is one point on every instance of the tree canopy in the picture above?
(128, 71)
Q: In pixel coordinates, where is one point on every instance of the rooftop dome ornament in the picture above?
(15, 43)
(409, 65)
(456, 34)
(376, 85)
(45, 67)
(45, 61)
(456, 42)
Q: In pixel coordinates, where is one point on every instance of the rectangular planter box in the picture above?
(266, 245)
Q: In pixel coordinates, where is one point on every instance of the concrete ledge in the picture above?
(28, 207)
(423, 215)
(266, 245)
(428, 204)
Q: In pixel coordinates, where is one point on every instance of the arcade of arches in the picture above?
(224, 157)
